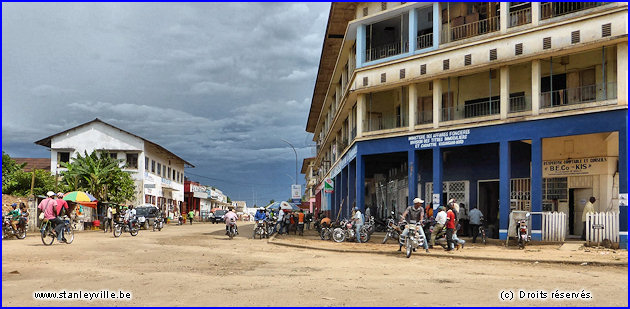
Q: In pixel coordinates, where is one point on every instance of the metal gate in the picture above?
(520, 198)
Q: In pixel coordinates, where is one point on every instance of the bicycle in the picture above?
(48, 233)
(482, 231)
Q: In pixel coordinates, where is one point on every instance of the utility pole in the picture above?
(296, 160)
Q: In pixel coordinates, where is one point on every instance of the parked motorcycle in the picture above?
(325, 232)
(522, 233)
(393, 230)
(370, 226)
(123, 226)
(8, 231)
(414, 239)
(347, 232)
(158, 224)
(260, 229)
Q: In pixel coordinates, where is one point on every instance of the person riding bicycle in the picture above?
(14, 214)
(47, 206)
(230, 218)
(414, 213)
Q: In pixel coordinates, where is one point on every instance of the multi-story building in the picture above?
(501, 105)
(157, 172)
(311, 183)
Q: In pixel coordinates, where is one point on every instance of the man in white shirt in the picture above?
(358, 222)
(280, 222)
(440, 220)
(110, 218)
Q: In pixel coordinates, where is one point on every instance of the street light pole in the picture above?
(296, 160)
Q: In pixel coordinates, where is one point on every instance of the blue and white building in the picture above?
(501, 105)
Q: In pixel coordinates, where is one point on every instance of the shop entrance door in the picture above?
(578, 199)
(488, 203)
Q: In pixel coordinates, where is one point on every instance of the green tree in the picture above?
(229, 200)
(15, 181)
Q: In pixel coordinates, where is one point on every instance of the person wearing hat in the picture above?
(414, 213)
(47, 206)
(14, 214)
(261, 215)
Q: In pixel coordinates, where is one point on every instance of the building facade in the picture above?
(202, 199)
(501, 105)
(310, 178)
(157, 172)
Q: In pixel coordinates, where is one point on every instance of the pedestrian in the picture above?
(475, 216)
(300, 222)
(440, 222)
(450, 227)
(358, 220)
(308, 219)
(588, 208)
(280, 222)
(191, 215)
(429, 213)
(463, 219)
(368, 212)
(109, 219)
(293, 224)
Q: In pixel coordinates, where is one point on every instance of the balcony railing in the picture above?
(424, 117)
(424, 41)
(470, 30)
(518, 104)
(578, 95)
(386, 50)
(473, 110)
(520, 17)
(553, 9)
(385, 123)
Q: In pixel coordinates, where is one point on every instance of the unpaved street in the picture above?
(198, 266)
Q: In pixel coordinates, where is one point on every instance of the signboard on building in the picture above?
(439, 139)
(576, 167)
(328, 186)
(296, 191)
(347, 158)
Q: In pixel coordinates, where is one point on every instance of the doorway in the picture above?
(577, 201)
(488, 204)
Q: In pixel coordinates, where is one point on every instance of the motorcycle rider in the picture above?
(358, 220)
(130, 216)
(230, 216)
(440, 221)
(261, 215)
(414, 213)
(14, 214)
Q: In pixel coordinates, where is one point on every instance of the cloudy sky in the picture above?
(219, 84)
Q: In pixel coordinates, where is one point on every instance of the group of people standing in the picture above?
(290, 221)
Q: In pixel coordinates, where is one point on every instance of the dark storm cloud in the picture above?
(218, 84)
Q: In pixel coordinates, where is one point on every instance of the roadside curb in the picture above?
(589, 263)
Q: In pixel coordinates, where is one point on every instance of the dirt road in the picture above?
(198, 266)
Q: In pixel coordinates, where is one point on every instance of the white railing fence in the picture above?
(554, 226)
(602, 225)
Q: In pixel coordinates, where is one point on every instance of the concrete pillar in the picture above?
(535, 13)
(536, 189)
(437, 102)
(622, 73)
(360, 114)
(535, 85)
(504, 188)
(623, 185)
(413, 106)
(437, 175)
(352, 182)
(412, 177)
(505, 91)
(360, 46)
(343, 178)
(360, 169)
(413, 30)
(503, 16)
(437, 24)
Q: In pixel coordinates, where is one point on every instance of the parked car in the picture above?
(146, 214)
(218, 216)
